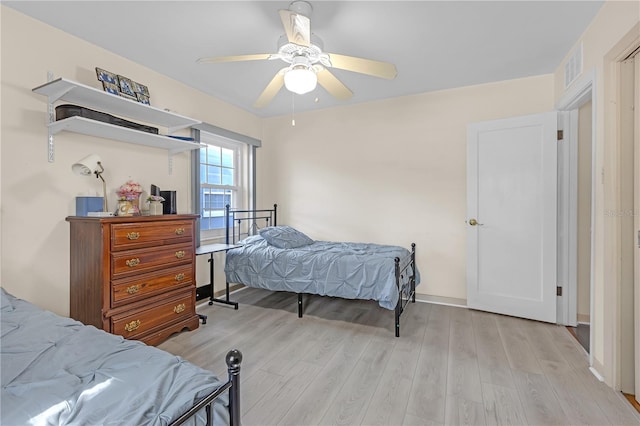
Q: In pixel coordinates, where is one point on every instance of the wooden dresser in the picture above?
(134, 276)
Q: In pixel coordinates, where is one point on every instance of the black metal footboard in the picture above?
(406, 289)
(233, 359)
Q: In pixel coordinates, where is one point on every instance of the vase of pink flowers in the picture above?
(129, 199)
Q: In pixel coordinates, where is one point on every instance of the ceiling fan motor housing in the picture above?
(301, 7)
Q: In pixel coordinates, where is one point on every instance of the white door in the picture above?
(512, 216)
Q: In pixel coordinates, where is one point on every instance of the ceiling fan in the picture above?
(307, 63)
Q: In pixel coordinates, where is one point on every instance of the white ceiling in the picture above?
(434, 44)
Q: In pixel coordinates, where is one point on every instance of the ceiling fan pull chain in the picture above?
(293, 109)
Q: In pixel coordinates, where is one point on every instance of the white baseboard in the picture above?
(595, 373)
(441, 300)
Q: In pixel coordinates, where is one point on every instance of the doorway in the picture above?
(577, 183)
(582, 330)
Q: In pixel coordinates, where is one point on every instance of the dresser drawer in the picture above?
(140, 321)
(130, 262)
(125, 236)
(129, 290)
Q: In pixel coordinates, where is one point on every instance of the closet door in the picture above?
(512, 216)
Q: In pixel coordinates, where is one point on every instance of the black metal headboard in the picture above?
(246, 222)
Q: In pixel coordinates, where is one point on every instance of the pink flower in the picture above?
(129, 191)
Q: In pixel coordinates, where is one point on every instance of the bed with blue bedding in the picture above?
(281, 258)
(57, 371)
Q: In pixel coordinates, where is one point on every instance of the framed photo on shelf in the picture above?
(126, 86)
(112, 88)
(123, 86)
(143, 99)
(132, 98)
(141, 89)
(106, 76)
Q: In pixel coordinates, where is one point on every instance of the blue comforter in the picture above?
(347, 270)
(57, 371)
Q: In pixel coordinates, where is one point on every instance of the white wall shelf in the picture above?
(124, 134)
(78, 94)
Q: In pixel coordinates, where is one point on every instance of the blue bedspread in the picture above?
(57, 371)
(347, 270)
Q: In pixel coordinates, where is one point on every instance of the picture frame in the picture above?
(120, 85)
(112, 88)
(141, 89)
(126, 86)
(106, 76)
(132, 98)
(143, 99)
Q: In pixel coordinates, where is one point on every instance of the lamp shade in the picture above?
(300, 80)
(87, 165)
(91, 164)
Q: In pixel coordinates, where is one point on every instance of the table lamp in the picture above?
(92, 164)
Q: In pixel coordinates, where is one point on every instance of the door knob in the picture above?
(474, 222)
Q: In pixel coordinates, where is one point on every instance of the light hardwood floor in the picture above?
(341, 364)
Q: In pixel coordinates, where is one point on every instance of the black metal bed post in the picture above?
(399, 304)
(299, 305)
(234, 358)
(226, 223)
(275, 214)
(413, 272)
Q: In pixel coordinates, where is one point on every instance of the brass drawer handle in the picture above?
(133, 262)
(180, 277)
(133, 289)
(180, 254)
(179, 231)
(133, 235)
(179, 308)
(132, 326)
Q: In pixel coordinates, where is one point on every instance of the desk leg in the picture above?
(226, 300)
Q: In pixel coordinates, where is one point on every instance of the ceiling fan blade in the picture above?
(297, 27)
(334, 86)
(363, 66)
(236, 58)
(271, 90)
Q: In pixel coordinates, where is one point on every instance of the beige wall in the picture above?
(614, 29)
(390, 172)
(359, 160)
(37, 195)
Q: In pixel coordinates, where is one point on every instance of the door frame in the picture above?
(611, 239)
(582, 91)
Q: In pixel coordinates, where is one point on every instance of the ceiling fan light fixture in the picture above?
(300, 79)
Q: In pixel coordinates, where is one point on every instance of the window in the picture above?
(223, 170)
(219, 184)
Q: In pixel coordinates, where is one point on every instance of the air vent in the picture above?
(573, 66)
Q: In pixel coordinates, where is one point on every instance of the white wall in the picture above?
(391, 172)
(38, 195)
